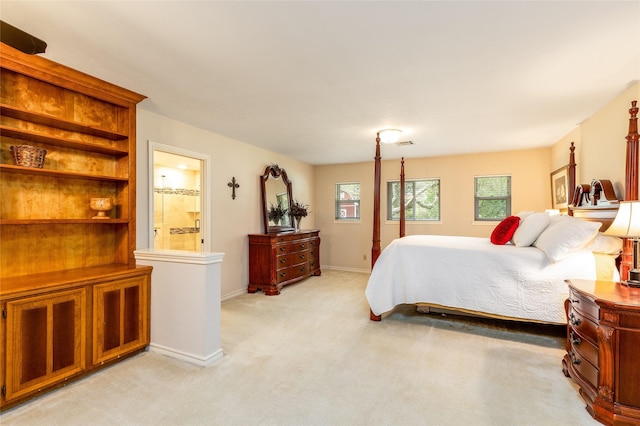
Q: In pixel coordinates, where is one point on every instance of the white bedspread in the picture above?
(474, 274)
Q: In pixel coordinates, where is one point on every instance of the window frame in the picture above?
(339, 203)
(476, 199)
(389, 207)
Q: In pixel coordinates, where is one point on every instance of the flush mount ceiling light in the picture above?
(390, 135)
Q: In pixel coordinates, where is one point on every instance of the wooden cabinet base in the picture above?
(603, 340)
(277, 260)
(60, 326)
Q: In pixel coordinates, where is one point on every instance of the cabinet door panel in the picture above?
(33, 343)
(120, 309)
(111, 319)
(64, 339)
(45, 341)
(132, 320)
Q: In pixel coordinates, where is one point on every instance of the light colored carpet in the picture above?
(312, 357)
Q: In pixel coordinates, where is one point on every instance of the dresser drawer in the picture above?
(583, 325)
(313, 265)
(299, 257)
(283, 261)
(283, 248)
(300, 245)
(283, 275)
(300, 270)
(584, 347)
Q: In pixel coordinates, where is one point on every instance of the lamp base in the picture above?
(634, 278)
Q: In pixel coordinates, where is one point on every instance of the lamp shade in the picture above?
(627, 221)
(390, 135)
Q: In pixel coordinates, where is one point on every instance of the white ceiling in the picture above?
(315, 80)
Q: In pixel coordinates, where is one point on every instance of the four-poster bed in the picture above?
(523, 282)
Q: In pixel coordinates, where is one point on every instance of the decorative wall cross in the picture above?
(233, 185)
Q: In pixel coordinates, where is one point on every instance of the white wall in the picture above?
(232, 220)
(601, 146)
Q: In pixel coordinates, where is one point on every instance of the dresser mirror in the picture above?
(276, 200)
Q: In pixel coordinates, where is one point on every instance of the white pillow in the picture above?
(523, 214)
(606, 244)
(530, 228)
(566, 235)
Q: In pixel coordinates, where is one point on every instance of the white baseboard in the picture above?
(183, 356)
(234, 294)
(341, 268)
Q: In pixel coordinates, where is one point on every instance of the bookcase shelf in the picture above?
(58, 173)
(51, 121)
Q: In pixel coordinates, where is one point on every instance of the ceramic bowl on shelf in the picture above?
(101, 205)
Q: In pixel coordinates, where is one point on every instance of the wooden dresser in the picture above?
(603, 348)
(276, 260)
(72, 298)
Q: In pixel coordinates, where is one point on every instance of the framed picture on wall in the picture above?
(559, 190)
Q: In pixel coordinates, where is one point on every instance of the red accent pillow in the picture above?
(504, 231)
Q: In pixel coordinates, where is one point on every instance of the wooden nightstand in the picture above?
(603, 348)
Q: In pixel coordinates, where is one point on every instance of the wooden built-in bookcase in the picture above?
(72, 297)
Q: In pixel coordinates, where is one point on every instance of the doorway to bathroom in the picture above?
(178, 201)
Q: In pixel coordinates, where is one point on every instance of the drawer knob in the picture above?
(574, 340)
(283, 260)
(283, 248)
(283, 274)
(574, 359)
(574, 321)
(302, 256)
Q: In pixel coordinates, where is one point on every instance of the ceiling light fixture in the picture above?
(390, 135)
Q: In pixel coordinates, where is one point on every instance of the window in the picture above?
(421, 200)
(492, 197)
(347, 201)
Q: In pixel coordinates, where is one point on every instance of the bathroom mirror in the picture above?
(276, 192)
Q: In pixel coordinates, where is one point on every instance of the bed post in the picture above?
(571, 186)
(631, 182)
(375, 248)
(402, 217)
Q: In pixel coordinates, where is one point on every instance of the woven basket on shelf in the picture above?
(28, 156)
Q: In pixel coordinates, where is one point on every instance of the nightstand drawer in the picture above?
(584, 368)
(584, 347)
(584, 325)
(585, 306)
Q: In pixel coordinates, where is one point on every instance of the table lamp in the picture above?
(627, 225)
